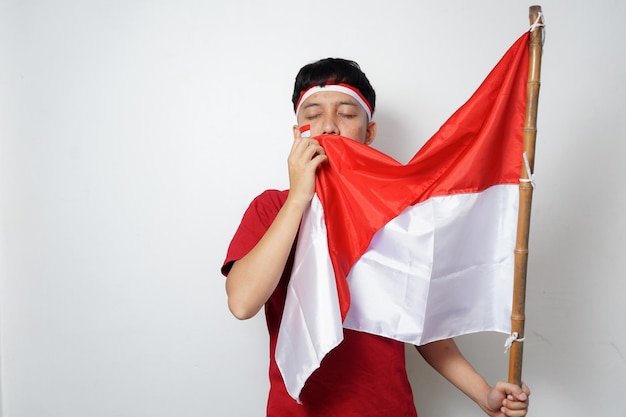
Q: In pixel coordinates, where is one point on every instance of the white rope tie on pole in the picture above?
(514, 337)
(539, 24)
(531, 176)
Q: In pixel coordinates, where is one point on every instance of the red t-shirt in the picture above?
(364, 376)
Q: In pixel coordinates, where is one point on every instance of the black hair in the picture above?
(333, 71)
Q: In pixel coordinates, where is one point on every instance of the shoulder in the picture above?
(269, 201)
(275, 196)
(263, 209)
(256, 220)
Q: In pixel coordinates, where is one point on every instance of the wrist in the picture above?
(298, 202)
(481, 395)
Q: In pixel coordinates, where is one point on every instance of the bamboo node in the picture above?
(514, 337)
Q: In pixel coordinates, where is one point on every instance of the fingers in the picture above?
(513, 391)
(515, 402)
(307, 152)
(305, 157)
(514, 409)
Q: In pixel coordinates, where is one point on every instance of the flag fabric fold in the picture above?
(416, 252)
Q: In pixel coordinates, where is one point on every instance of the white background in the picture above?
(135, 133)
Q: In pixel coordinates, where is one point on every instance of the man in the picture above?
(365, 375)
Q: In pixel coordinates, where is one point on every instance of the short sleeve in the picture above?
(255, 222)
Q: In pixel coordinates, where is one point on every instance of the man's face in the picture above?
(332, 112)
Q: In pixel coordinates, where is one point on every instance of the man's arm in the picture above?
(253, 278)
(503, 399)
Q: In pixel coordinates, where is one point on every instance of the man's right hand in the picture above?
(305, 157)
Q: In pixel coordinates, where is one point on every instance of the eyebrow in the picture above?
(342, 102)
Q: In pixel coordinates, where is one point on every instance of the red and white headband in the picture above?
(341, 88)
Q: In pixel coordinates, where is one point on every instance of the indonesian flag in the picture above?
(417, 252)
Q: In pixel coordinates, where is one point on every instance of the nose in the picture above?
(329, 126)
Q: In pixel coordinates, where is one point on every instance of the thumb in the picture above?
(511, 391)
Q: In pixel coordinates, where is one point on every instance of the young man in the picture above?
(366, 374)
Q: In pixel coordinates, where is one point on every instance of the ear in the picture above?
(370, 133)
(296, 131)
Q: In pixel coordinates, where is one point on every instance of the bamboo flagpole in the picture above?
(525, 197)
